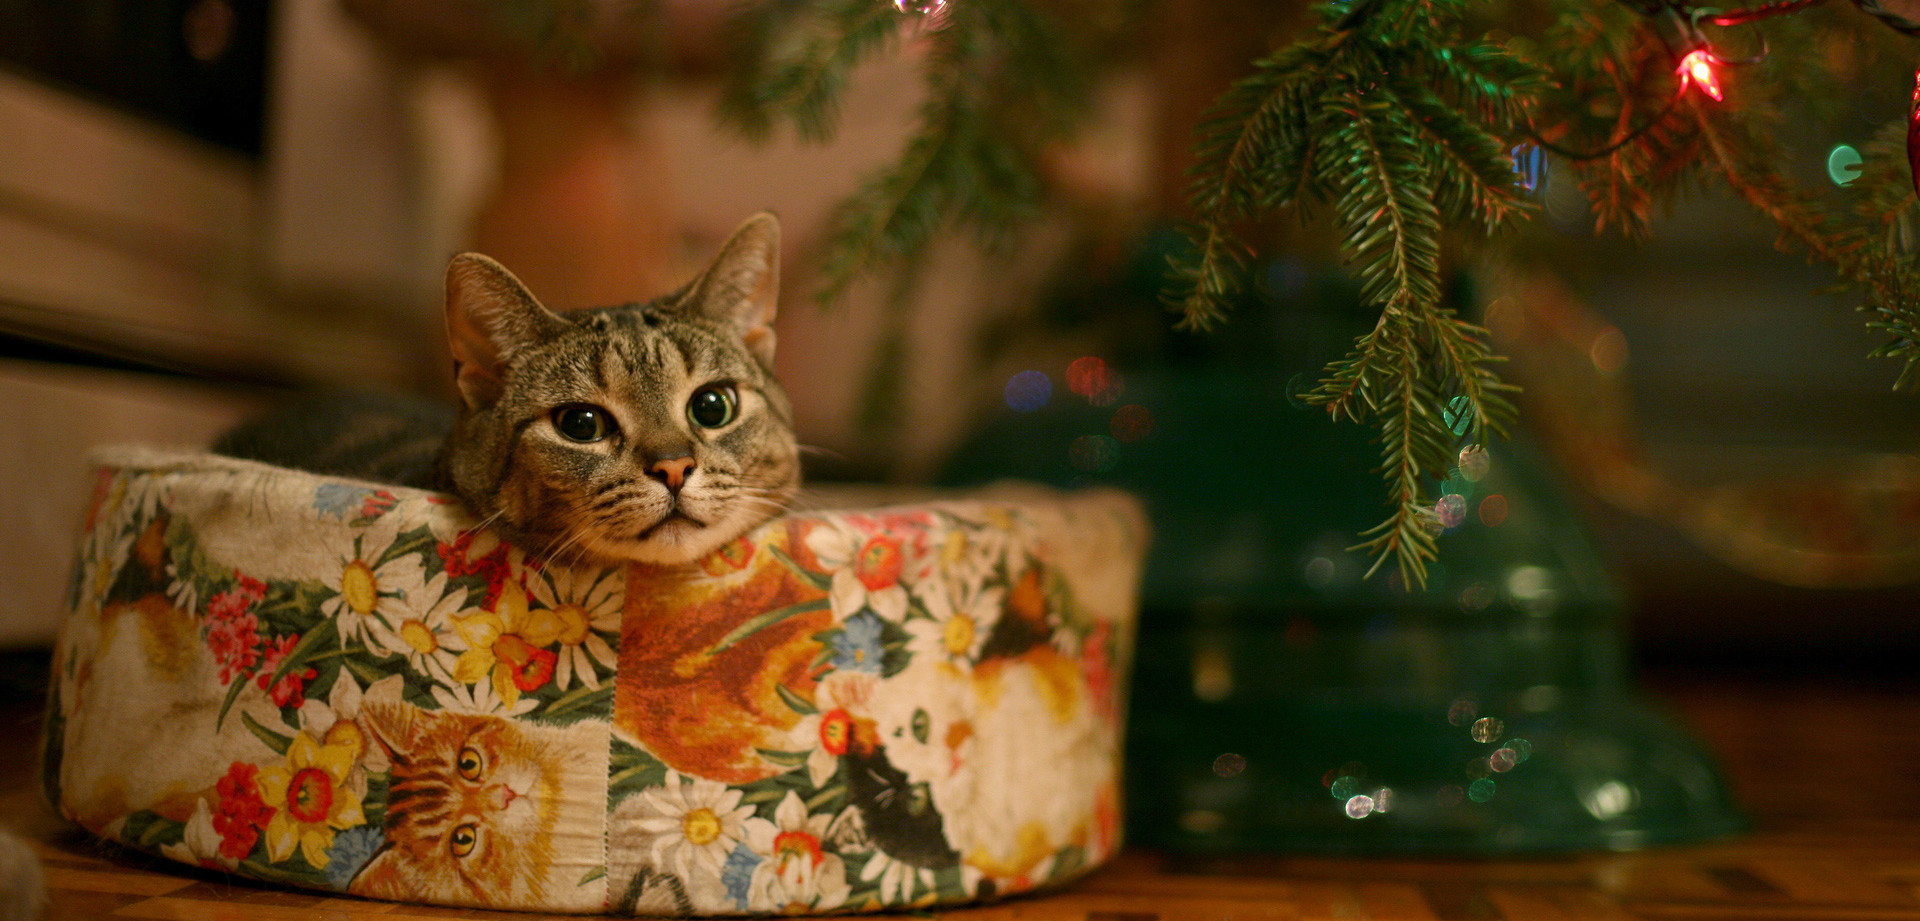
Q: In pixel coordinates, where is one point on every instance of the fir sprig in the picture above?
(1390, 116)
(1003, 79)
(1387, 116)
(795, 60)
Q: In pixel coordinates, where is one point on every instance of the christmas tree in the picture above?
(1417, 128)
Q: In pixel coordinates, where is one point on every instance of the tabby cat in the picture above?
(482, 810)
(652, 431)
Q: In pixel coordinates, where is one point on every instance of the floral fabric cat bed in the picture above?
(332, 684)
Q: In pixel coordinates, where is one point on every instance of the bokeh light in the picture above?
(1093, 453)
(1488, 729)
(1609, 800)
(1608, 351)
(1474, 463)
(1091, 378)
(1481, 790)
(1229, 764)
(1459, 415)
(1029, 391)
(1359, 806)
(1318, 573)
(1493, 510)
(1529, 165)
(1131, 423)
(1451, 510)
(1843, 164)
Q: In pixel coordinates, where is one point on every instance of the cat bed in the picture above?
(344, 686)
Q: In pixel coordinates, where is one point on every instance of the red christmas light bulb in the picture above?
(1913, 134)
(1696, 69)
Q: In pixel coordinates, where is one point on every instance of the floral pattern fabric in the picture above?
(278, 674)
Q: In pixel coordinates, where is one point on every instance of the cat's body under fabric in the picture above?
(650, 431)
(387, 438)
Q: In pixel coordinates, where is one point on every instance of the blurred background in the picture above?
(205, 204)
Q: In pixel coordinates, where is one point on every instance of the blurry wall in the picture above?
(154, 287)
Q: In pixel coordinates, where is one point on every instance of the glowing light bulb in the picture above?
(1696, 69)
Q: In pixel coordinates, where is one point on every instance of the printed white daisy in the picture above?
(897, 880)
(867, 565)
(587, 602)
(420, 626)
(969, 552)
(480, 698)
(146, 495)
(795, 871)
(182, 591)
(368, 580)
(106, 549)
(957, 622)
(694, 823)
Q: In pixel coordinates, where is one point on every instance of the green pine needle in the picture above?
(1389, 113)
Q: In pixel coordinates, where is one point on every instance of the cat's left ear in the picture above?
(742, 286)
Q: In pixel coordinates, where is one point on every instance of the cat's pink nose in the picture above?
(672, 471)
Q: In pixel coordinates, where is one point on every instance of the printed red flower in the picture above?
(1096, 666)
(241, 813)
(878, 563)
(232, 636)
(291, 689)
(457, 559)
(102, 487)
(249, 587)
(836, 731)
(377, 503)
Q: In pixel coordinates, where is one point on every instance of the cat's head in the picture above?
(652, 432)
(480, 809)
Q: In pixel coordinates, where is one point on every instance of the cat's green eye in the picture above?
(713, 406)
(464, 839)
(583, 423)
(922, 725)
(470, 763)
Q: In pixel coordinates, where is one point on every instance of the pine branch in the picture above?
(1003, 79)
(1891, 213)
(1380, 116)
(1473, 170)
(1214, 274)
(794, 61)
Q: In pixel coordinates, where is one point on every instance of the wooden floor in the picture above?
(1829, 772)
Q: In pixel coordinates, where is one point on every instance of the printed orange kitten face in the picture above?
(481, 810)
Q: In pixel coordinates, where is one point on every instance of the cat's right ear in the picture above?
(491, 318)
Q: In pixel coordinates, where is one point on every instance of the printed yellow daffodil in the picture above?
(311, 797)
(507, 645)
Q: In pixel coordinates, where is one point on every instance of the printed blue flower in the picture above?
(857, 646)
(737, 873)
(337, 499)
(350, 851)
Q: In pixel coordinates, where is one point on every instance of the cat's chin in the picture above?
(675, 541)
